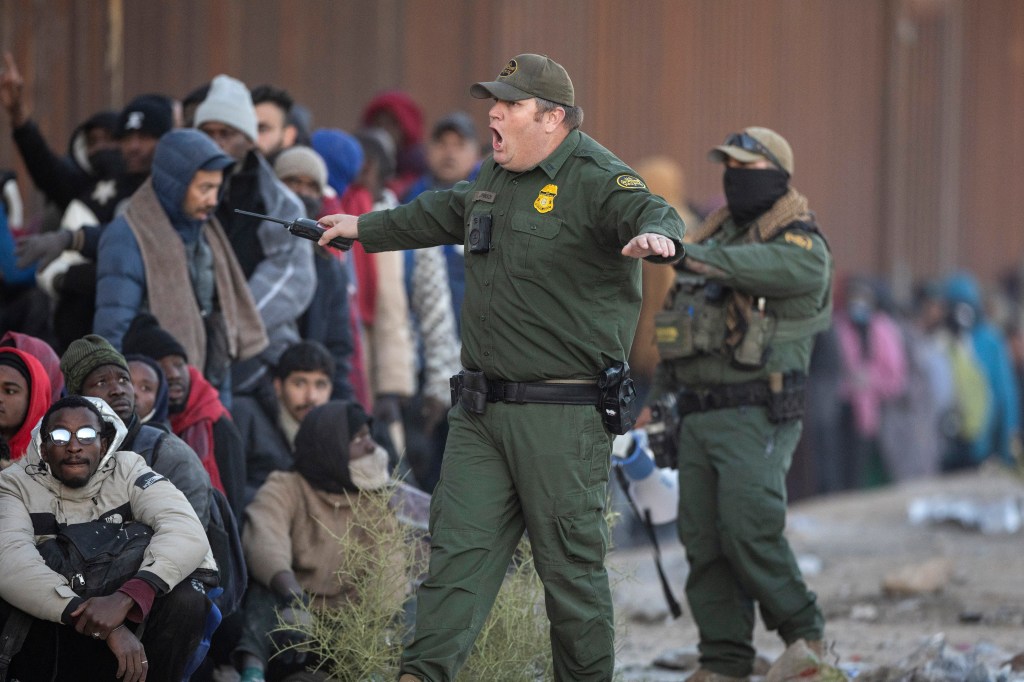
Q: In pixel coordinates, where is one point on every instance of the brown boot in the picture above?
(705, 675)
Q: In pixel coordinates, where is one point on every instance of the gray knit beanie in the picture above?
(300, 160)
(83, 356)
(230, 103)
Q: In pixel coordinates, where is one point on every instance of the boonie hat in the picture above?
(753, 144)
(529, 75)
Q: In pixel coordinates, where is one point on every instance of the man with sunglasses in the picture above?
(75, 481)
(735, 341)
(92, 367)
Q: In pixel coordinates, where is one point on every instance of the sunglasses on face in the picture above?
(61, 437)
(750, 144)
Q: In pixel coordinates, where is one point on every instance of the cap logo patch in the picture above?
(626, 181)
(801, 240)
(546, 199)
(135, 119)
(509, 69)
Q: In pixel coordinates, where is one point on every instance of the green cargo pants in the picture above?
(542, 468)
(732, 514)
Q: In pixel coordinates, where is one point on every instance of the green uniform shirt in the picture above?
(554, 298)
(793, 272)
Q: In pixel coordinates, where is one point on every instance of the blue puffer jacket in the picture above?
(121, 275)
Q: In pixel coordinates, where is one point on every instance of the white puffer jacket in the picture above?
(31, 499)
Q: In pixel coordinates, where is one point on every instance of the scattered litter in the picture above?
(1001, 516)
(937, 661)
(864, 612)
(809, 564)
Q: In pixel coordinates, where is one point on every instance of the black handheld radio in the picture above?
(305, 228)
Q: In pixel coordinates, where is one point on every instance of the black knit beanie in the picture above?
(15, 361)
(145, 336)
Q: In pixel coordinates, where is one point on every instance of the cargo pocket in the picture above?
(581, 526)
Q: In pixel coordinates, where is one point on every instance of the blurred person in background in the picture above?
(874, 375)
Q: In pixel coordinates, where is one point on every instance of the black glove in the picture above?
(42, 249)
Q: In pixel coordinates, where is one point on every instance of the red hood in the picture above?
(39, 401)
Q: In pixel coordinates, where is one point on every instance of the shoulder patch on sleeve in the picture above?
(629, 181)
(801, 240)
(147, 479)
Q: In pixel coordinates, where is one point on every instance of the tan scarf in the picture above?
(169, 288)
(792, 206)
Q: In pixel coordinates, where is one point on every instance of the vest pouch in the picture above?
(709, 327)
(673, 334)
(753, 349)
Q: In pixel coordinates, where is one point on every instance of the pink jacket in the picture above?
(870, 380)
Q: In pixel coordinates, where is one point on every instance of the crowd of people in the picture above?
(901, 390)
(241, 363)
(263, 379)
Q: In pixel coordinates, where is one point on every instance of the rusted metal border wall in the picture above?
(905, 115)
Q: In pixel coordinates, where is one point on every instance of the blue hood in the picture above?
(179, 154)
(962, 287)
(343, 155)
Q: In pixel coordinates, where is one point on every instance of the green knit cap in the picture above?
(83, 356)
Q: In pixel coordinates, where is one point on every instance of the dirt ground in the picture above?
(849, 543)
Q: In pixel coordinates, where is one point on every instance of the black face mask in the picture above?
(752, 191)
(107, 163)
(312, 206)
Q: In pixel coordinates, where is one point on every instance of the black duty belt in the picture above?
(474, 391)
(547, 392)
(723, 396)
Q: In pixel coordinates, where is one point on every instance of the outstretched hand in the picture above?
(649, 244)
(338, 225)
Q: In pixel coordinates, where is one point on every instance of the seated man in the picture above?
(198, 416)
(292, 528)
(24, 397)
(75, 476)
(93, 368)
(150, 386)
(302, 381)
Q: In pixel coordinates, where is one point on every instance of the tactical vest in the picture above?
(702, 317)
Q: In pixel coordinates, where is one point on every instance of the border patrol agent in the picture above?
(735, 338)
(552, 227)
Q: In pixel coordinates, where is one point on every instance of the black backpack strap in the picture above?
(13, 636)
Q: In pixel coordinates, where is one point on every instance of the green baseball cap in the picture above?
(755, 143)
(526, 76)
